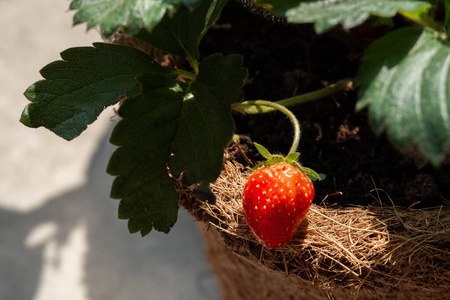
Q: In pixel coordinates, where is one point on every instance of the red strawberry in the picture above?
(276, 199)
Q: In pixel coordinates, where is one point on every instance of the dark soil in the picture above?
(285, 60)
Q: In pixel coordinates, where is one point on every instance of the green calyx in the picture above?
(291, 158)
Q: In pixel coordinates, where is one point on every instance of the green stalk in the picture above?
(247, 108)
(275, 106)
(424, 19)
(193, 62)
(185, 74)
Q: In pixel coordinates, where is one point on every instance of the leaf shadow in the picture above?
(114, 263)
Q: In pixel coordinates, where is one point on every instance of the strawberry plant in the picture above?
(179, 119)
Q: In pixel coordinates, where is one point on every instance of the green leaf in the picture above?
(182, 125)
(131, 15)
(203, 192)
(180, 33)
(313, 175)
(263, 151)
(321, 177)
(149, 123)
(350, 13)
(205, 125)
(447, 16)
(79, 87)
(405, 80)
(292, 157)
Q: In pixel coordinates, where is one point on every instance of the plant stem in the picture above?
(194, 63)
(275, 106)
(247, 108)
(423, 19)
(185, 74)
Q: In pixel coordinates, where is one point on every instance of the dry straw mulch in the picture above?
(360, 252)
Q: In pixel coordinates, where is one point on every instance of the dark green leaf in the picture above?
(140, 163)
(328, 13)
(205, 125)
(321, 177)
(132, 15)
(78, 88)
(447, 16)
(191, 120)
(204, 193)
(405, 80)
(180, 33)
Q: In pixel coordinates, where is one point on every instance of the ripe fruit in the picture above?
(276, 199)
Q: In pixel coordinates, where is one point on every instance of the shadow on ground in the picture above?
(115, 264)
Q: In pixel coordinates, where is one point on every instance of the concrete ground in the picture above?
(59, 233)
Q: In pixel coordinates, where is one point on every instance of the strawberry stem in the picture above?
(341, 85)
(261, 104)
